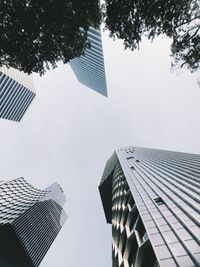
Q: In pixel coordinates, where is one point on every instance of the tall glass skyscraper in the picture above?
(152, 199)
(89, 68)
(30, 220)
(16, 93)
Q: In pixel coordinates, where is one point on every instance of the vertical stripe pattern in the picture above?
(89, 68)
(14, 98)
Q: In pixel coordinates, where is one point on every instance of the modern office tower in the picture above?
(30, 220)
(89, 68)
(152, 199)
(16, 93)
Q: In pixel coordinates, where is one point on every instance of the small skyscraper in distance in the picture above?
(151, 198)
(89, 68)
(16, 93)
(30, 220)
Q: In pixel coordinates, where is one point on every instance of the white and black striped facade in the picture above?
(30, 220)
(16, 93)
(89, 68)
(152, 199)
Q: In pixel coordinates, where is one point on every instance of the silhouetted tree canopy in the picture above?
(130, 20)
(35, 33)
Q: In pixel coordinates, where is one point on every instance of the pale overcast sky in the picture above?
(70, 131)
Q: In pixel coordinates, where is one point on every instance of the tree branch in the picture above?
(188, 21)
(191, 30)
(194, 33)
(185, 62)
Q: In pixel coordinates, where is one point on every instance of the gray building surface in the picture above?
(30, 220)
(89, 68)
(152, 199)
(16, 93)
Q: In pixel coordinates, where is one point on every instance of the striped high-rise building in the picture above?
(152, 199)
(89, 68)
(16, 93)
(30, 220)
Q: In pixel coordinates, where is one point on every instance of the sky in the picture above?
(70, 131)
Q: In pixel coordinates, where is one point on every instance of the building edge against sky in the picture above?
(30, 220)
(151, 197)
(89, 68)
(16, 93)
(17, 88)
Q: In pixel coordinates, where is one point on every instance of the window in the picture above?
(159, 201)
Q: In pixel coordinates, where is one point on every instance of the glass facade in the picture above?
(16, 93)
(163, 188)
(30, 220)
(89, 68)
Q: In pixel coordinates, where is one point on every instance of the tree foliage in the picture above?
(130, 20)
(37, 33)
